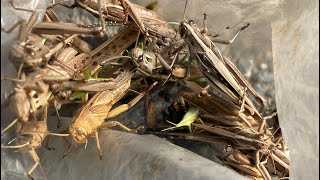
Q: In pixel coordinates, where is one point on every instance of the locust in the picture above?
(252, 148)
(148, 21)
(26, 100)
(147, 61)
(139, 15)
(51, 85)
(32, 50)
(149, 58)
(68, 65)
(218, 70)
(148, 64)
(221, 109)
(30, 136)
(90, 117)
(112, 50)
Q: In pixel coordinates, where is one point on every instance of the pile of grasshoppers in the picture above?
(56, 67)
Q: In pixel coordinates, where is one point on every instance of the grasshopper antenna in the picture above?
(15, 147)
(9, 126)
(184, 12)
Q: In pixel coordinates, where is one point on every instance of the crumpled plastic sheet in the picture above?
(283, 34)
(126, 156)
(295, 35)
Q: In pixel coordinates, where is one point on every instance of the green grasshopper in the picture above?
(190, 117)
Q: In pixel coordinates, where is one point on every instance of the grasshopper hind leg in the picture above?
(122, 108)
(113, 124)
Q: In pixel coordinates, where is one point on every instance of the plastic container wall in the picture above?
(295, 45)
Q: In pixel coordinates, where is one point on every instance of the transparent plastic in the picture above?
(283, 37)
(295, 46)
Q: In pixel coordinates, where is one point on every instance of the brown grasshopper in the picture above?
(236, 154)
(97, 5)
(255, 152)
(219, 71)
(92, 62)
(27, 99)
(112, 49)
(31, 135)
(148, 58)
(147, 61)
(32, 50)
(41, 87)
(233, 133)
(222, 108)
(68, 63)
(147, 20)
(90, 117)
(29, 96)
(144, 60)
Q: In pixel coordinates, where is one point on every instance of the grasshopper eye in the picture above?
(140, 58)
(228, 148)
(30, 51)
(79, 131)
(191, 22)
(183, 31)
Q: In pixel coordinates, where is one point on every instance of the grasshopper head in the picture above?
(136, 53)
(30, 53)
(144, 60)
(78, 133)
(33, 139)
(27, 141)
(186, 28)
